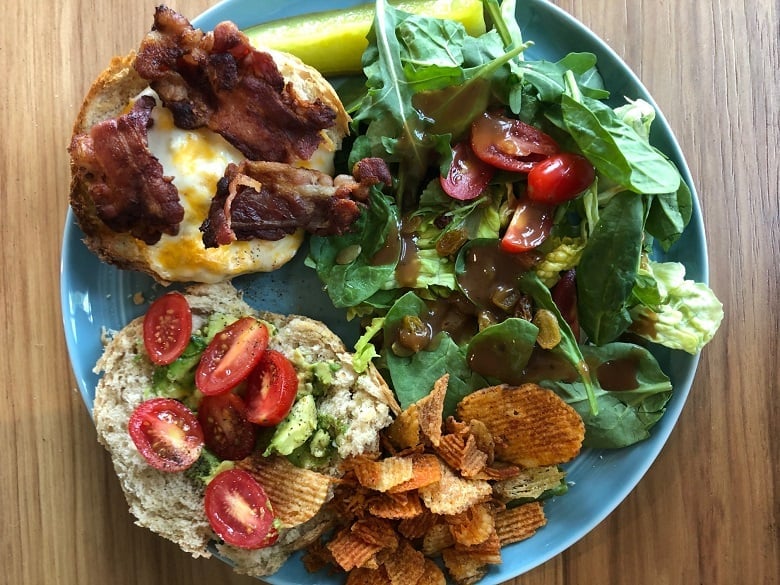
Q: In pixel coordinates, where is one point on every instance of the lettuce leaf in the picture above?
(684, 315)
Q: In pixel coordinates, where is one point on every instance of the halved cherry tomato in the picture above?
(509, 144)
(468, 175)
(559, 178)
(271, 389)
(231, 355)
(530, 225)
(226, 430)
(166, 433)
(167, 328)
(239, 510)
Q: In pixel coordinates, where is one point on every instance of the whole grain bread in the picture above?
(171, 504)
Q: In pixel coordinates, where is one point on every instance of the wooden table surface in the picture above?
(706, 512)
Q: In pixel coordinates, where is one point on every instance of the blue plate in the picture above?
(96, 296)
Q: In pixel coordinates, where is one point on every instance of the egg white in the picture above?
(196, 159)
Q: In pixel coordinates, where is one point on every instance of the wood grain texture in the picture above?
(706, 512)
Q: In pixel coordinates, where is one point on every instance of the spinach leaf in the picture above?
(501, 351)
(615, 149)
(348, 281)
(568, 348)
(413, 376)
(669, 214)
(625, 416)
(608, 268)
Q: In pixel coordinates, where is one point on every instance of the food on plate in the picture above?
(496, 227)
(233, 439)
(450, 488)
(333, 41)
(159, 130)
(523, 238)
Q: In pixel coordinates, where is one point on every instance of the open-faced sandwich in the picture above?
(199, 157)
(226, 425)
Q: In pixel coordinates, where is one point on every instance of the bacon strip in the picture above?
(125, 180)
(220, 81)
(269, 200)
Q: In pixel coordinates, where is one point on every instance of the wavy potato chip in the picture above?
(436, 539)
(383, 474)
(350, 551)
(453, 494)
(516, 524)
(404, 432)
(296, 494)
(529, 483)
(398, 506)
(405, 565)
(532, 426)
(474, 526)
(426, 470)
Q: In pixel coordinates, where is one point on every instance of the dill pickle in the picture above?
(333, 41)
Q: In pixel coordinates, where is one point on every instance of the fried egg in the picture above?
(196, 160)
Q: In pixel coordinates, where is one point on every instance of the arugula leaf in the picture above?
(349, 281)
(418, 82)
(625, 416)
(549, 78)
(608, 268)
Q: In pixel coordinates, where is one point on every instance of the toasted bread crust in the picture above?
(110, 94)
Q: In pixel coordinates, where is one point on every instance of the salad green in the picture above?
(425, 81)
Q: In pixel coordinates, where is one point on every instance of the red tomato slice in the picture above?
(559, 178)
(231, 355)
(530, 225)
(166, 433)
(239, 510)
(509, 144)
(468, 175)
(226, 430)
(167, 328)
(271, 389)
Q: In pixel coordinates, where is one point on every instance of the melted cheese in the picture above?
(196, 159)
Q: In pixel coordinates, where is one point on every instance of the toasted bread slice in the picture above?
(171, 504)
(183, 257)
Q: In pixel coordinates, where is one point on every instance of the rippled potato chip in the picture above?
(516, 524)
(531, 425)
(529, 483)
(453, 494)
(398, 506)
(296, 494)
(426, 470)
(405, 564)
(474, 526)
(381, 475)
(431, 410)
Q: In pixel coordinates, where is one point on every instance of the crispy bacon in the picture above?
(220, 81)
(269, 200)
(124, 178)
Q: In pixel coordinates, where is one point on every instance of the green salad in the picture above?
(518, 242)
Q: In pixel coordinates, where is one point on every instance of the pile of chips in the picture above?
(452, 490)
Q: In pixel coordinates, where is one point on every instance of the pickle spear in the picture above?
(333, 41)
